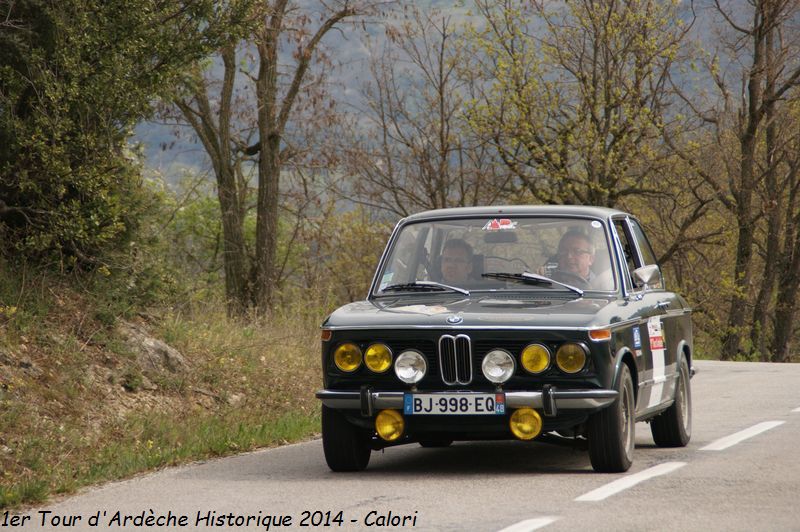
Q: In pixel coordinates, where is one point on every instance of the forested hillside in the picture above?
(316, 126)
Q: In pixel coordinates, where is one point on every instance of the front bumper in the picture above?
(550, 400)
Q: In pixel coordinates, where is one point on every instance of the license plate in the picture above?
(454, 404)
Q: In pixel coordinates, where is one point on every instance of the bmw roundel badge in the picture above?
(453, 320)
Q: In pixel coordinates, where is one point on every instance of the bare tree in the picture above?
(285, 41)
(411, 147)
(768, 75)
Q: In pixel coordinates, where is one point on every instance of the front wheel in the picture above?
(612, 430)
(673, 428)
(346, 446)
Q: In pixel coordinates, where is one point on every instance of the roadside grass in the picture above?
(167, 443)
(77, 409)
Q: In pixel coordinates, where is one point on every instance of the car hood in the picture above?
(472, 311)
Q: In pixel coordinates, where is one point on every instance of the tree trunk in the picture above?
(774, 193)
(234, 254)
(269, 169)
(731, 344)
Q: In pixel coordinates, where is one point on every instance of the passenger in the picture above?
(456, 261)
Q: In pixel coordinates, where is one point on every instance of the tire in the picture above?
(673, 428)
(431, 444)
(347, 447)
(612, 430)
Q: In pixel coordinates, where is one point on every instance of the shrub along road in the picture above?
(739, 472)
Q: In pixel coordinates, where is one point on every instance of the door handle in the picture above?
(662, 305)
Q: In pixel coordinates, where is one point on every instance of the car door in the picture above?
(655, 356)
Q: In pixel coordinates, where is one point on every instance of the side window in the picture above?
(628, 251)
(646, 250)
(644, 246)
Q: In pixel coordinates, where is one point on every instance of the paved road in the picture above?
(748, 482)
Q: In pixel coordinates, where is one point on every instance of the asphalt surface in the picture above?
(739, 472)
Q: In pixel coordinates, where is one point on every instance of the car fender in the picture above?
(683, 345)
(624, 353)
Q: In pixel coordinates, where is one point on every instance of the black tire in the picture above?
(347, 447)
(432, 444)
(673, 428)
(612, 430)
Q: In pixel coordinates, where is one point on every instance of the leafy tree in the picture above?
(577, 94)
(75, 77)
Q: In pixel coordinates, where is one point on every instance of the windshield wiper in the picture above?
(424, 286)
(530, 278)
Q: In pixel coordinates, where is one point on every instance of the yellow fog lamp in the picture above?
(525, 423)
(347, 357)
(389, 424)
(378, 358)
(535, 358)
(571, 358)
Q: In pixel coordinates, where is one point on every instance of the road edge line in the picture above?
(738, 437)
(612, 488)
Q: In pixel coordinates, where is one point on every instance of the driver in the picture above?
(576, 256)
(456, 261)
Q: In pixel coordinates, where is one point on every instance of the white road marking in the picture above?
(796, 409)
(729, 441)
(629, 481)
(530, 524)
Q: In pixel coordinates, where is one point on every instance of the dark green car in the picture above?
(509, 322)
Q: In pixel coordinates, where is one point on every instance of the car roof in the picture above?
(517, 210)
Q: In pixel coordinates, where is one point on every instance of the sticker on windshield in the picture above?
(596, 224)
(385, 280)
(503, 224)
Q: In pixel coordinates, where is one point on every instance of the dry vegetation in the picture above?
(76, 407)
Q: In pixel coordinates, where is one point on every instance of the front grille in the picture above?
(455, 359)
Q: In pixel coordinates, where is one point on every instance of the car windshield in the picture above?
(488, 253)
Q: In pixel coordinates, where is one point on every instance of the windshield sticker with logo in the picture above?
(502, 224)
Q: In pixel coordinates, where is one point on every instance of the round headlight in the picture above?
(571, 358)
(378, 358)
(498, 366)
(410, 367)
(347, 357)
(535, 358)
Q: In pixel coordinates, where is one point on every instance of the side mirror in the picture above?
(648, 275)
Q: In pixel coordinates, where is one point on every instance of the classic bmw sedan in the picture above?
(509, 322)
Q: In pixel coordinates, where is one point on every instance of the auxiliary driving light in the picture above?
(498, 366)
(378, 358)
(525, 423)
(535, 358)
(571, 358)
(347, 357)
(389, 424)
(410, 367)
